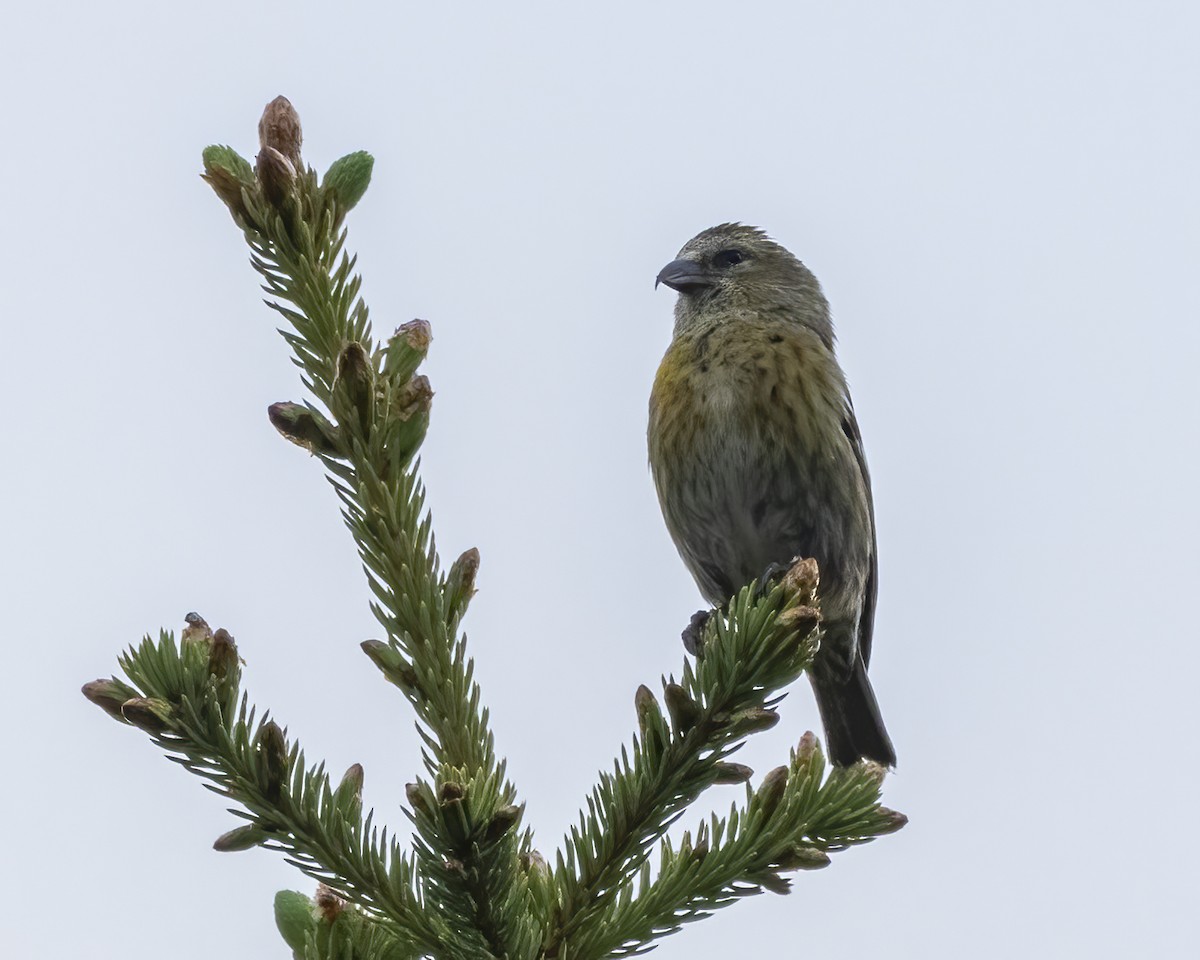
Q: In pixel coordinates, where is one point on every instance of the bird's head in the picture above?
(733, 269)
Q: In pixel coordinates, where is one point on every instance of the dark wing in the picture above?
(866, 624)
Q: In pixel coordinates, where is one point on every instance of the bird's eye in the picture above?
(727, 258)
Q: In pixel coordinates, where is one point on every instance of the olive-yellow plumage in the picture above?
(757, 456)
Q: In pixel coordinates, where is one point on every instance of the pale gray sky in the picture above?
(1001, 201)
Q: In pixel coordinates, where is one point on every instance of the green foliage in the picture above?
(470, 884)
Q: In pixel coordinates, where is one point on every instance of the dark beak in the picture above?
(686, 276)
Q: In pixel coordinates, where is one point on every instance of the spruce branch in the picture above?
(187, 699)
(753, 649)
(381, 410)
(792, 822)
(472, 885)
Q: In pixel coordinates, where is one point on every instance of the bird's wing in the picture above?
(866, 623)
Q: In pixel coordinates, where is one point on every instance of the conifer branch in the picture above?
(751, 651)
(473, 886)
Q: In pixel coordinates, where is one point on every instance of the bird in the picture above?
(757, 457)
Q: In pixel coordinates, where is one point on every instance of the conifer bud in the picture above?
(451, 792)
(774, 883)
(753, 720)
(348, 795)
(410, 417)
(406, 349)
(502, 821)
(304, 427)
(354, 385)
(875, 772)
(417, 799)
(413, 398)
(273, 760)
(276, 176)
(394, 667)
(147, 713)
(801, 857)
(110, 695)
(807, 749)
(802, 579)
(279, 129)
(347, 179)
(294, 919)
(771, 790)
(650, 718)
(460, 582)
(381, 654)
(228, 173)
(801, 619)
(223, 660)
(240, 838)
(533, 862)
(893, 821)
(329, 906)
(731, 772)
(683, 709)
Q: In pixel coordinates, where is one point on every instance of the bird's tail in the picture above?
(854, 729)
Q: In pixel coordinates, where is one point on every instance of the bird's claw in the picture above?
(693, 633)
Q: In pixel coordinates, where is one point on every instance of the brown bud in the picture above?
(876, 772)
(279, 129)
(700, 850)
(147, 713)
(460, 582)
(406, 349)
(771, 790)
(754, 720)
(109, 695)
(450, 792)
(381, 654)
(223, 660)
(329, 905)
(683, 709)
(800, 619)
(413, 398)
(774, 883)
(354, 386)
(273, 760)
(417, 799)
(241, 838)
(807, 749)
(802, 858)
(393, 666)
(502, 821)
(650, 719)
(348, 794)
(276, 176)
(802, 578)
(304, 427)
(534, 862)
(893, 821)
(731, 772)
(408, 418)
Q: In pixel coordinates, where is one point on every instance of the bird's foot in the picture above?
(693, 633)
(768, 577)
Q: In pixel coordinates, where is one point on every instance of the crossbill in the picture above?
(757, 456)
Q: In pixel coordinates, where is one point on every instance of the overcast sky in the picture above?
(1001, 201)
